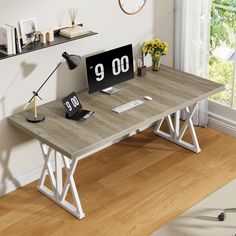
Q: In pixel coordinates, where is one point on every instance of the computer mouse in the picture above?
(148, 98)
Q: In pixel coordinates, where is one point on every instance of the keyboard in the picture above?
(127, 106)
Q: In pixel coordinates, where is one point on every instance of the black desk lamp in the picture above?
(72, 61)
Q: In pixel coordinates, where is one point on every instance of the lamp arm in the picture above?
(49, 76)
(35, 93)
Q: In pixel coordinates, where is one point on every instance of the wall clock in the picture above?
(132, 7)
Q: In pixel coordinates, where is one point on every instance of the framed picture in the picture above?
(27, 28)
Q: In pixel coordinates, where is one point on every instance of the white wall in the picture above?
(20, 156)
(164, 26)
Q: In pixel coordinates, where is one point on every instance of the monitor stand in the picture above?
(111, 90)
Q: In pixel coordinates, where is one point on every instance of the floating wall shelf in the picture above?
(38, 46)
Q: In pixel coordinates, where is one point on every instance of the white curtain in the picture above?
(192, 44)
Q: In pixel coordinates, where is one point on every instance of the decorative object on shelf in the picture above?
(34, 38)
(74, 110)
(74, 30)
(57, 30)
(28, 28)
(156, 49)
(72, 61)
(47, 36)
(73, 14)
(132, 7)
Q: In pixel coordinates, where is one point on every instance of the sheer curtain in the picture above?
(192, 44)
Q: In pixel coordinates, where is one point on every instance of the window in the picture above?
(223, 50)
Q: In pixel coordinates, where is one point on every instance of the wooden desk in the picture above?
(171, 91)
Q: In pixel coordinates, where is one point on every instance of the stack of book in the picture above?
(72, 32)
(9, 40)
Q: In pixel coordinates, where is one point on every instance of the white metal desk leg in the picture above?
(177, 123)
(46, 151)
(58, 192)
(176, 134)
(58, 171)
(70, 168)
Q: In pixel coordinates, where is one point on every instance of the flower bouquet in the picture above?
(156, 49)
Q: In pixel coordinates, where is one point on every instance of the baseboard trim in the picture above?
(222, 124)
(20, 181)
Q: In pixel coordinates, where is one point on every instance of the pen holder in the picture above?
(142, 71)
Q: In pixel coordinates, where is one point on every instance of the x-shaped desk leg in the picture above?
(59, 191)
(176, 134)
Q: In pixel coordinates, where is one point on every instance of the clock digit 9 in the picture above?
(99, 71)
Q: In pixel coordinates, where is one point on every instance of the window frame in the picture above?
(233, 95)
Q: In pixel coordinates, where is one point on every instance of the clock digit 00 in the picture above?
(75, 101)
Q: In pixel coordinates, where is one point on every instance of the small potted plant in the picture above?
(156, 49)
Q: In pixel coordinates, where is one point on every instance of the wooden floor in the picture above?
(131, 188)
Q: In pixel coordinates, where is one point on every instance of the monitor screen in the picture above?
(110, 68)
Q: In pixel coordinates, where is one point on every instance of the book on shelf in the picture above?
(6, 39)
(18, 42)
(72, 32)
(15, 40)
(9, 40)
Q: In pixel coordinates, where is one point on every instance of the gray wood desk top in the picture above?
(171, 91)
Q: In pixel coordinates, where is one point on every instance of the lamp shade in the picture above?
(72, 60)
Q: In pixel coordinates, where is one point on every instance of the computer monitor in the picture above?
(110, 68)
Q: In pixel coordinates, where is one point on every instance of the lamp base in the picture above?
(31, 118)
